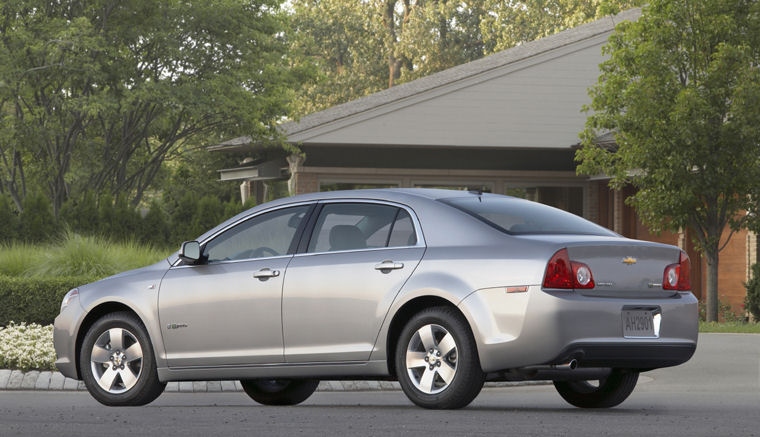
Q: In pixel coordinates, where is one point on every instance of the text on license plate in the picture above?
(641, 323)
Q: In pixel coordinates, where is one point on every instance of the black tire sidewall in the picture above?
(295, 392)
(612, 391)
(147, 387)
(469, 377)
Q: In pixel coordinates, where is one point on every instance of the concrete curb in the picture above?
(33, 380)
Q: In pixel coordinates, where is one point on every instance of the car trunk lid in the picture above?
(620, 267)
(626, 270)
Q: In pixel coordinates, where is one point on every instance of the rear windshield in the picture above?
(519, 217)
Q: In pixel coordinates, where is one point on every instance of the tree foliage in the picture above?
(511, 22)
(363, 46)
(681, 91)
(96, 94)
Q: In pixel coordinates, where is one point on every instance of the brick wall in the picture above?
(732, 270)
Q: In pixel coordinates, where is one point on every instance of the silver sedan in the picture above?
(440, 290)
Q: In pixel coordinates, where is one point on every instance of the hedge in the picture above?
(34, 300)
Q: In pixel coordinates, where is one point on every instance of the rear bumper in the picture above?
(638, 356)
(514, 330)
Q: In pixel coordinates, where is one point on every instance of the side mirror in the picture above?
(190, 251)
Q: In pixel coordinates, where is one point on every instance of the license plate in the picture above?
(641, 324)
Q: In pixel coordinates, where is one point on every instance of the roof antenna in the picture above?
(478, 191)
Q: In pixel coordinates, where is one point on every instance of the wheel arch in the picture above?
(403, 315)
(93, 316)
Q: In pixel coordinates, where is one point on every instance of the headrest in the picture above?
(346, 237)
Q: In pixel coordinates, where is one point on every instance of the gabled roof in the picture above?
(448, 78)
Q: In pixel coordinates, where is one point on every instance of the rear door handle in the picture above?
(389, 265)
(266, 273)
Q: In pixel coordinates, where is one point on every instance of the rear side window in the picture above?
(356, 226)
(519, 217)
(403, 231)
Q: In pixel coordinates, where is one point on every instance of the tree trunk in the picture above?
(394, 70)
(711, 285)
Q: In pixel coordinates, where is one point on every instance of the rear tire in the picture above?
(117, 362)
(279, 391)
(610, 392)
(437, 361)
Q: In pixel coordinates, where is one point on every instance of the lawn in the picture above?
(730, 327)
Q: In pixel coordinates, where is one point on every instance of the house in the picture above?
(507, 123)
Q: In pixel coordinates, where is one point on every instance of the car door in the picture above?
(338, 291)
(226, 310)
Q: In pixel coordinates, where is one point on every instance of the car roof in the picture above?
(379, 193)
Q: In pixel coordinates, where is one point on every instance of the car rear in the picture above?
(596, 299)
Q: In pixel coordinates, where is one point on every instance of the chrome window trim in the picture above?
(410, 211)
(370, 249)
(233, 261)
(244, 219)
(415, 222)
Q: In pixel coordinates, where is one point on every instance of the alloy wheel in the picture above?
(116, 360)
(431, 359)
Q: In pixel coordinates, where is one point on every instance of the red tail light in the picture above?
(566, 274)
(676, 276)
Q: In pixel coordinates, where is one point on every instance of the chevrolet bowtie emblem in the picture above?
(629, 260)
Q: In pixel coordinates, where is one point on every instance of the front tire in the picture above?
(437, 360)
(117, 362)
(610, 392)
(279, 391)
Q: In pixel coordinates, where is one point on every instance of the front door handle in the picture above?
(266, 273)
(389, 265)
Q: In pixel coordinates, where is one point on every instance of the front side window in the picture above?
(355, 226)
(266, 235)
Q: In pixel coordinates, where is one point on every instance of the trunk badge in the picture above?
(629, 260)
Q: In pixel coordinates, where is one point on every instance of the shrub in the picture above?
(155, 227)
(752, 300)
(17, 258)
(726, 313)
(9, 220)
(95, 257)
(181, 218)
(27, 347)
(126, 220)
(35, 300)
(82, 214)
(207, 215)
(106, 215)
(37, 222)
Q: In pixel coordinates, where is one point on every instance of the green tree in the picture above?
(154, 228)
(681, 91)
(182, 219)
(96, 94)
(339, 39)
(9, 220)
(81, 215)
(106, 216)
(362, 46)
(509, 23)
(208, 214)
(36, 221)
(126, 220)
